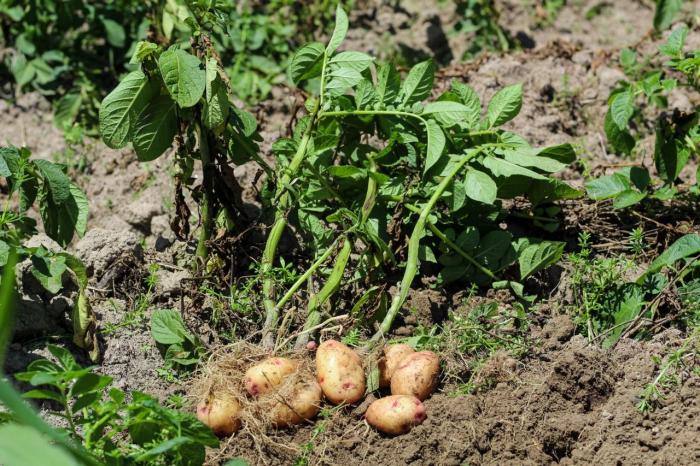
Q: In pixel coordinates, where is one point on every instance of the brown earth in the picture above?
(566, 402)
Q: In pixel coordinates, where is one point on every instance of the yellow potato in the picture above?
(304, 402)
(417, 375)
(340, 372)
(221, 413)
(262, 377)
(393, 355)
(396, 414)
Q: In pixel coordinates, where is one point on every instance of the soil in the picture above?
(566, 402)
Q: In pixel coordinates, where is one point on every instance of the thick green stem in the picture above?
(414, 245)
(270, 252)
(207, 212)
(329, 288)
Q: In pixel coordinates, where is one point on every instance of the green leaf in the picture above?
(237, 462)
(621, 140)
(341, 79)
(435, 146)
(470, 99)
(90, 382)
(539, 255)
(216, 107)
(500, 167)
(666, 10)
(155, 128)
(448, 113)
(388, 83)
(630, 305)
(621, 109)
(167, 327)
(49, 271)
(67, 109)
(606, 187)
(563, 153)
(62, 221)
(339, 32)
(505, 105)
(674, 45)
(56, 183)
(120, 109)
(419, 83)
(526, 158)
(480, 187)
(627, 198)
(142, 51)
(347, 171)
(115, 33)
(306, 62)
(357, 61)
(183, 76)
(21, 445)
(685, 246)
(670, 154)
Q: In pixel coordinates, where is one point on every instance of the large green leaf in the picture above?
(62, 221)
(167, 327)
(505, 105)
(448, 113)
(339, 32)
(183, 76)
(120, 109)
(606, 187)
(685, 246)
(306, 62)
(419, 83)
(480, 187)
(155, 128)
(500, 167)
(535, 256)
(357, 61)
(21, 445)
(622, 108)
(56, 183)
(435, 146)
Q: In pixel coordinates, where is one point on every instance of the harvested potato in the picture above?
(396, 414)
(340, 372)
(304, 402)
(262, 377)
(221, 412)
(393, 355)
(416, 375)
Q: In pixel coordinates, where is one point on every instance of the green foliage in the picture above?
(63, 208)
(480, 19)
(180, 349)
(666, 10)
(445, 163)
(677, 133)
(115, 431)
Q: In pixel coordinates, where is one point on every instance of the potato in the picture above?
(340, 372)
(221, 412)
(262, 377)
(416, 375)
(393, 354)
(304, 402)
(396, 414)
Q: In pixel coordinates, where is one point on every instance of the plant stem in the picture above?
(207, 213)
(413, 246)
(270, 252)
(332, 284)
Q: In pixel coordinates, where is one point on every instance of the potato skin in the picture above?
(417, 375)
(264, 376)
(396, 414)
(340, 372)
(393, 355)
(303, 403)
(221, 413)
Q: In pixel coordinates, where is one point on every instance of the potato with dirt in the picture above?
(221, 413)
(264, 376)
(396, 414)
(393, 355)
(416, 375)
(301, 404)
(340, 373)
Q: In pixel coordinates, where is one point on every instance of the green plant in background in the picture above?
(443, 165)
(184, 95)
(63, 208)
(70, 51)
(480, 19)
(677, 133)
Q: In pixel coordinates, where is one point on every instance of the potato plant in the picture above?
(181, 94)
(677, 133)
(63, 209)
(378, 163)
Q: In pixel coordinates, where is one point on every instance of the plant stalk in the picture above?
(413, 247)
(207, 212)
